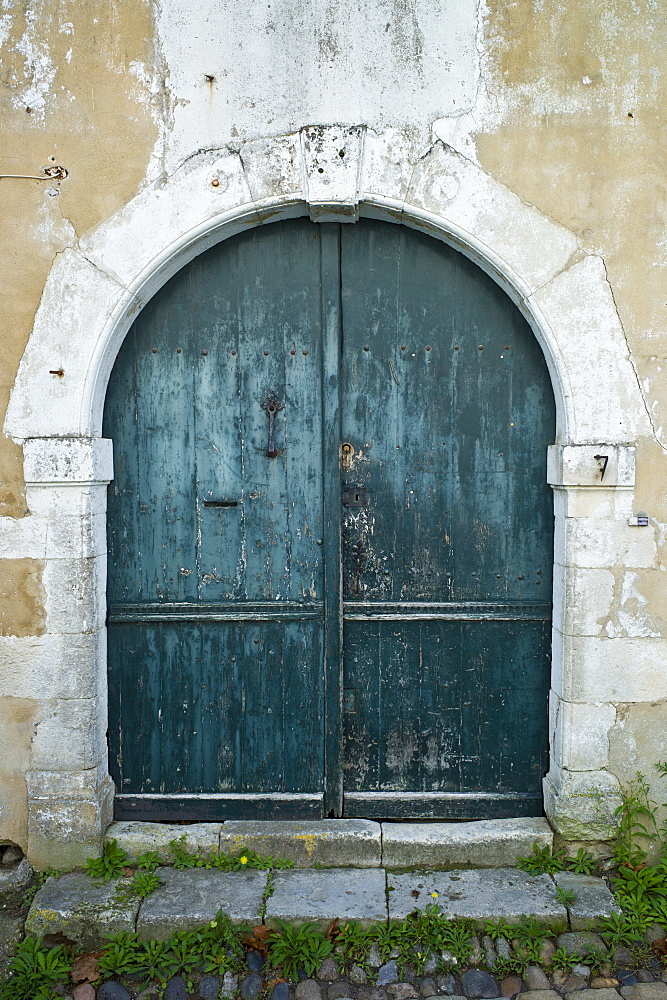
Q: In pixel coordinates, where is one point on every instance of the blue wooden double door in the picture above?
(330, 536)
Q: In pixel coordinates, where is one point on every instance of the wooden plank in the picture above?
(230, 611)
(331, 423)
(447, 611)
(215, 808)
(424, 805)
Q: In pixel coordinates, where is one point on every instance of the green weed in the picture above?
(110, 865)
(595, 958)
(583, 863)
(530, 929)
(268, 892)
(562, 961)
(636, 818)
(528, 952)
(182, 955)
(513, 966)
(542, 861)
(499, 928)
(182, 857)
(295, 948)
(148, 862)
(424, 935)
(155, 962)
(566, 897)
(227, 862)
(354, 943)
(122, 955)
(144, 884)
(35, 970)
(141, 885)
(221, 933)
(620, 929)
(389, 937)
(642, 892)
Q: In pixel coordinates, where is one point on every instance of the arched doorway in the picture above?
(330, 535)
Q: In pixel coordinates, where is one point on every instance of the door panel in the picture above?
(206, 531)
(405, 513)
(452, 708)
(447, 412)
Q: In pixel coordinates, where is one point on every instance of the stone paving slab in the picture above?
(136, 838)
(188, 899)
(593, 899)
(80, 910)
(491, 843)
(319, 896)
(486, 894)
(334, 843)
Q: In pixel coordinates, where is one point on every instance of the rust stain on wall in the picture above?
(81, 86)
(21, 597)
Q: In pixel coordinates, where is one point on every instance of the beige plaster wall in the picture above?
(16, 728)
(21, 597)
(80, 86)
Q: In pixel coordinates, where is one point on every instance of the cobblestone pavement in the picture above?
(384, 982)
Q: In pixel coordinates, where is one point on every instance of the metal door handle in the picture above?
(272, 404)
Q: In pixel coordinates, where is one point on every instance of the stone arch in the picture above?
(331, 173)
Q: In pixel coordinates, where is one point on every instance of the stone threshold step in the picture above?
(342, 843)
(75, 909)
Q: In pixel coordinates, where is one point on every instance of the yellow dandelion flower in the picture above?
(243, 860)
(435, 895)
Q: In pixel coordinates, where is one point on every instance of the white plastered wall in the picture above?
(330, 173)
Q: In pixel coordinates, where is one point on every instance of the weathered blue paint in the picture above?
(404, 372)
(207, 705)
(447, 413)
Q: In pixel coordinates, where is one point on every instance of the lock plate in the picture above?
(355, 496)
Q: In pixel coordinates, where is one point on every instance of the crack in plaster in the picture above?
(576, 257)
(107, 274)
(480, 85)
(204, 151)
